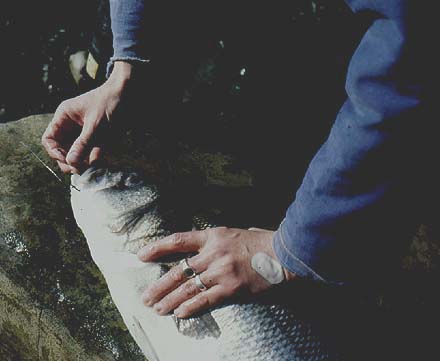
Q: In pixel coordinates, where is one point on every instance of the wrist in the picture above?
(121, 75)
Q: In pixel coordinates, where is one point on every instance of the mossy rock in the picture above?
(43, 252)
(28, 332)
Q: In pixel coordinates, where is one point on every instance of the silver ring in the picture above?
(199, 283)
(187, 271)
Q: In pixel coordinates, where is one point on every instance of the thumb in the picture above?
(80, 146)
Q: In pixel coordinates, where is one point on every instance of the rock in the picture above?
(16, 165)
(28, 332)
(45, 264)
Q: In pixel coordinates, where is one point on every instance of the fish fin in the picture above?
(147, 347)
(198, 327)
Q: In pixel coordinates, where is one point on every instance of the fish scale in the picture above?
(119, 212)
(295, 339)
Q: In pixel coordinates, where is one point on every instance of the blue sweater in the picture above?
(342, 221)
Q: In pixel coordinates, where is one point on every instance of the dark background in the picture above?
(300, 46)
(260, 81)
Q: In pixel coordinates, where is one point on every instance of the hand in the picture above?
(223, 262)
(69, 138)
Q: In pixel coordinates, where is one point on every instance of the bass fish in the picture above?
(119, 212)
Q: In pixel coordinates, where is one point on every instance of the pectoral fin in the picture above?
(198, 327)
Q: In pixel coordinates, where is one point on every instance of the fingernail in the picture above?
(142, 254)
(146, 299)
(158, 308)
(148, 302)
(178, 312)
(61, 151)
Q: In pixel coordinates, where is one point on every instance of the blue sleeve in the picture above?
(340, 220)
(128, 28)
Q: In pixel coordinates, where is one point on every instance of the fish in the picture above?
(120, 211)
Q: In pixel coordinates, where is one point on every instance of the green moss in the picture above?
(14, 344)
(217, 168)
(56, 269)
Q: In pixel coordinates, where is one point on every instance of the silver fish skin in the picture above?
(119, 212)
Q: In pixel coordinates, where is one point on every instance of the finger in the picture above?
(171, 280)
(176, 243)
(80, 146)
(95, 154)
(63, 122)
(65, 168)
(52, 147)
(202, 301)
(185, 292)
(55, 133)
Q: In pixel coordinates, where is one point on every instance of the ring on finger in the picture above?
(201, 286)
(187, 270)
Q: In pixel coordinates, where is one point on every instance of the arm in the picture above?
(84, 114)
(128, 28)
(356, 193)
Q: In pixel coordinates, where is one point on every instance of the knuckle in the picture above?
(228, 268)
(219, 230)
(64, 106)
(203, 301)
(177, 240)
(189, 289)
(176, 275)
(228, 260)
(196, 263)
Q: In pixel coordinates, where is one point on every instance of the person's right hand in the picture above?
(70, 138)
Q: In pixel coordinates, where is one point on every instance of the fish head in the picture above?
(117, 207)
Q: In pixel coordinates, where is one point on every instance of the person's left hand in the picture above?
(223, 263)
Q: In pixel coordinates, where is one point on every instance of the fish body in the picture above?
(119, 212)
